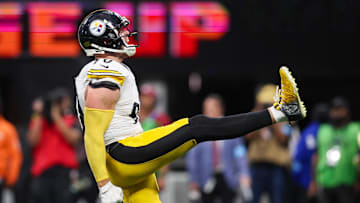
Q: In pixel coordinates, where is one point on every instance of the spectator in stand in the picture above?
(150, 118)
(336, 170)
(304, 191)
(10, 153)
(53, 133)
(268, 153)
(219, 168)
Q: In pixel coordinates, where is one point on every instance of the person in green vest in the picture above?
(336, 171)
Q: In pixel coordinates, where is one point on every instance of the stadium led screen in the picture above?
(165, 29)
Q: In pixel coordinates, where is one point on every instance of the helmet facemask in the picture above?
(127, 38)
(121, 38)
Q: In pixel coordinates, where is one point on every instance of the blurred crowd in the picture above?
(282, 163)
(319, 163)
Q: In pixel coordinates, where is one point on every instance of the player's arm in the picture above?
(98, 112)
(103, 91)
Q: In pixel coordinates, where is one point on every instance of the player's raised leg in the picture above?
(133, 159)
(287, 107)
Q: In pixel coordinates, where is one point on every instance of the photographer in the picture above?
(53, 134)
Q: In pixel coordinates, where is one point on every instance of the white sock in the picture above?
(278, 115)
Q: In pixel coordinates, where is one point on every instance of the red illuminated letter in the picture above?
(191, 22)
(10, 29)
(152, 24)
(53, 29)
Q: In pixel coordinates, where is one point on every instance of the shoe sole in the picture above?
(296, 90)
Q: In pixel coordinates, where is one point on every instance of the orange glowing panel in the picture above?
(10, 30)
(152, 27)
(195, 21)
(53, 29)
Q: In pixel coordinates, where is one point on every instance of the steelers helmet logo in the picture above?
(97, 27)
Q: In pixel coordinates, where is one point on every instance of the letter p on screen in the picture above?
(195, 21)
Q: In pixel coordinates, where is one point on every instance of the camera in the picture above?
(54, 97)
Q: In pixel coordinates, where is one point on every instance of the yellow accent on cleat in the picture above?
(289, 93)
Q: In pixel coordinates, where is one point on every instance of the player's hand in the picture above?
(110, 193)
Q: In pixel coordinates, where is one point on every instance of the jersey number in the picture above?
(134, 112)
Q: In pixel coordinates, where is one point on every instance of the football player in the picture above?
(120, 154)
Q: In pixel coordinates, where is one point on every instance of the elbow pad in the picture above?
(96, 124)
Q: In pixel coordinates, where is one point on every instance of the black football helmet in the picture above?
(104, 31)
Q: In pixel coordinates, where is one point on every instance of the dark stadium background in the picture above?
(317, 39)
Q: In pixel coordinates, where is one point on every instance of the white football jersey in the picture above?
(125, 122)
